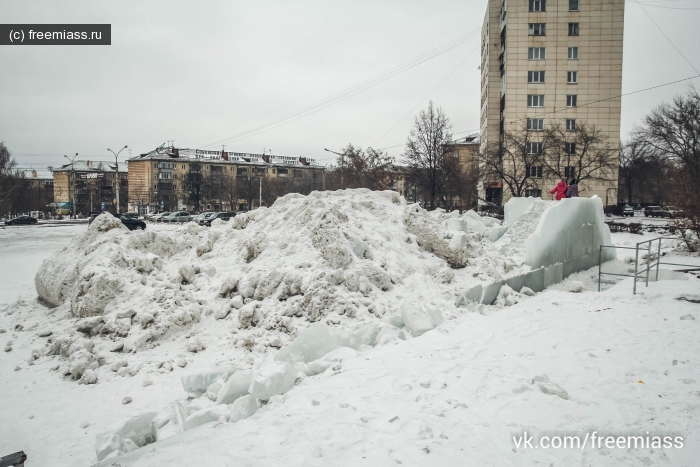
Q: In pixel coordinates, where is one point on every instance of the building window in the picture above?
(534, 171)
(573, 53)
(570, 148)
(535, 53)
(573, 5)
(537, 29)
(572, 77)
(570, 124)
(535, 76)
(538, 5)
(533, 148)
(571, 100)
(535, 100)
(573, 29)
(535, 124)
(534, 192)
(569, 172)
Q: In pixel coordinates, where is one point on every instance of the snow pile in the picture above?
(348, 258)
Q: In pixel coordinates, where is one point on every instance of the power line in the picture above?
(354, 90)
(667, 38)
(566, 109)
(428, 95)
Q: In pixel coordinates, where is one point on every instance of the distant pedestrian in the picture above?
(572, 190)
(560, 190)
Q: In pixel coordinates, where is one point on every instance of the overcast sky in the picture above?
(200, 72)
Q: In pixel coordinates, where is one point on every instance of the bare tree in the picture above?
(673, 130)
(366, 168)
(195, 185)
(584, 154)
(517, 160)
(10, 178)
(635, 159)
(424, 151)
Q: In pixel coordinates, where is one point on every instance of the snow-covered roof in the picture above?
(86, 166)
(205, 155)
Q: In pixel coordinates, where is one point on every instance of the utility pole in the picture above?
(260, 202)
(72, 168)
(342, 166)
(119, 181)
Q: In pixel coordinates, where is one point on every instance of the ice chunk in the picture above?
(273, 379)
(243, 408)
(236, 387)
(554, 389)
(434, 312)
(198, 382)
(310, 344)
(457, 225)
(203, 416)
(458, 241)
(114, 445)
(572, 228)
(576, 287)
(140, 431)
(416, 320)
(515, 208)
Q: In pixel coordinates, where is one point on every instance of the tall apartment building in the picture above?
(551, 62)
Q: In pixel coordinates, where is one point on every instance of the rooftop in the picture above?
(204, 155)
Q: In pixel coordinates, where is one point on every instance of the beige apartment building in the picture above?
(551, 62)
(90, 186)
(180, 179)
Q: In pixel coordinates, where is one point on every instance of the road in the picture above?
(22, 250)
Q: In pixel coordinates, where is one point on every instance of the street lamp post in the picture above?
(116, 161)
(72, 168)
(342, 165)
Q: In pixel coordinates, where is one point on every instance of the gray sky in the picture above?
(199, 72)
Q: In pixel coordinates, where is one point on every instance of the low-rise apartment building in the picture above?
(181, 179)
(89, 186)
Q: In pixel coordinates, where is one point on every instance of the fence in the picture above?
(653, 260)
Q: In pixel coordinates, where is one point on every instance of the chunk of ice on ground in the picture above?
(140, 431)
(203, 416)
(273, 379)
(236, 387)
(243, 408)
(311, 344)
(198, 382)
(416, 320)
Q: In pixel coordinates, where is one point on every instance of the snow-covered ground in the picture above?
(620, 364)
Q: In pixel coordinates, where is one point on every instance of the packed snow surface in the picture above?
(403, 377)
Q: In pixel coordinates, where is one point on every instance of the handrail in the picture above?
(650, 264)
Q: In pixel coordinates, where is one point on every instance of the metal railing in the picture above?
(653, 260)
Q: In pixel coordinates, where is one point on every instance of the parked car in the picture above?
(27, 220)
(672, 211)
(653, 211)
(159, 217)
(177, 217)
(132, 223)
(224, 216)
(628, 210)
(201, 216)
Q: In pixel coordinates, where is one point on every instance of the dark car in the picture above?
(19, 220)
(653, 211)
(672, 212)
(224, 216)
(132, 223)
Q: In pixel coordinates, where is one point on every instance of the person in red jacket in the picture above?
(560, 190)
